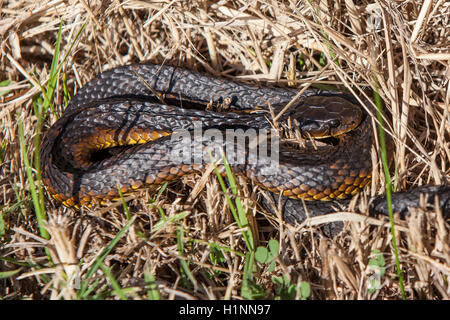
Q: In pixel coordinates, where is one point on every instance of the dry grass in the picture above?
(402, 45)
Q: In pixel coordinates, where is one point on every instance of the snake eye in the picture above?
(334, 123)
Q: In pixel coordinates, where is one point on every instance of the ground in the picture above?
(156, 244)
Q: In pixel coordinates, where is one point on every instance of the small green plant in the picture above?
(285, 290)
(305, 290)
(216, 256)
(250, 289)
(288, 291)
(378, 265)
(265, 255)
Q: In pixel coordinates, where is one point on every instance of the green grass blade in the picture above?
(163, 222)
(161, 211)
(184, 263)
(8, 274)
(150, 282)
(236, 208)
(89, 289)
(40, 215)
(53, 77)
(102, 256)
(388, 180)
(37, 161)
(2, 151)
(124, 204)
(5, 83)
(2, 224)
(117, 289)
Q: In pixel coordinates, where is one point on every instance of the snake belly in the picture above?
(117, 133)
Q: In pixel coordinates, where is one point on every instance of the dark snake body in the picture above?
(139, 106)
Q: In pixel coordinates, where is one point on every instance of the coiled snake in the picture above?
(117, 133)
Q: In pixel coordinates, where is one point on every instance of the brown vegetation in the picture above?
(403, 46)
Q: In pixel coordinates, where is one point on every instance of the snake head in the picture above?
(326, 116)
